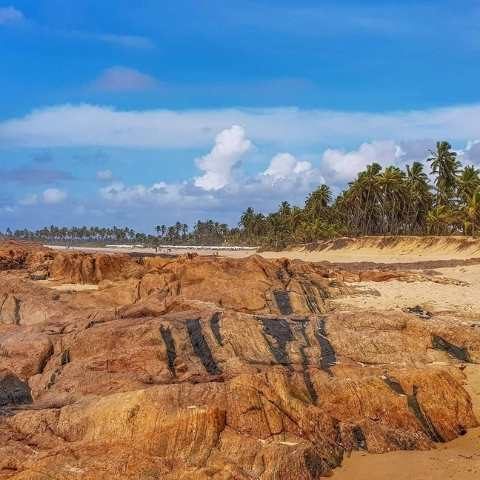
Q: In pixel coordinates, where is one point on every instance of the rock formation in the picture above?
(212, 368)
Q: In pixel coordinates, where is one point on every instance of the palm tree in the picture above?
(393, 199)
(419, 197)
(473, 213)
(468, 183)
(445, 167)
(318, 201)
(360, 202)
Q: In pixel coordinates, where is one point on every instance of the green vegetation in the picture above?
(387, 201)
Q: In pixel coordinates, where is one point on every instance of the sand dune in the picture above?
(385, 249)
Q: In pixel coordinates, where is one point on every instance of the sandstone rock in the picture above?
(214, 368)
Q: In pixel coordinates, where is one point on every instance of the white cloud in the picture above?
(160, 193)
(53, 196)
(119, 193)
(345, 165)
(286, 175)
(471, 152)
(230, 145)
(284, 165)
(123, 79)
(104, 175)
(90, 125)
(10, 15)
(28, 200)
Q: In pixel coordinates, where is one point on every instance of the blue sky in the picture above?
(139, 113)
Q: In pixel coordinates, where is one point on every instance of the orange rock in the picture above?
(212, 368)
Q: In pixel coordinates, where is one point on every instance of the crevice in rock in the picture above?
(44, 361)
(427, 425)
(215, 328)
(305, 364)
(329, 357)
(282, 299)
(65, 358)
(395, 385)
(359, 438)
(171, 349)
(201, 347)
(459, 353)
(310, 298)
(279, 331)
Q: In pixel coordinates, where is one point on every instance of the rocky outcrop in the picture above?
(215, 368)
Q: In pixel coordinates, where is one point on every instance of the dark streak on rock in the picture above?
(65, 357)
(314, 463)
(395, 385)
(427, 425)
(13, 391)
(171, 349)
(282, 298)
(328, 353)
(201, 347)
(279, 330)
(215, 327)
(459, 353)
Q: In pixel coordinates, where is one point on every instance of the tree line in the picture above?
(380, 201)
(208, 232)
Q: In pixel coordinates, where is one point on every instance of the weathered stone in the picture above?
(199, 368)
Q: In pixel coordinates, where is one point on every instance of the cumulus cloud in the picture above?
(284, 165)
(123, 79)
(90, 125)
(53, 196)
(104, 175)
(285, 177)
(10, 15)
(230, 145)
(345, 165)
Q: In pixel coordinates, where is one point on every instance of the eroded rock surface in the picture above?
(212, 368)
